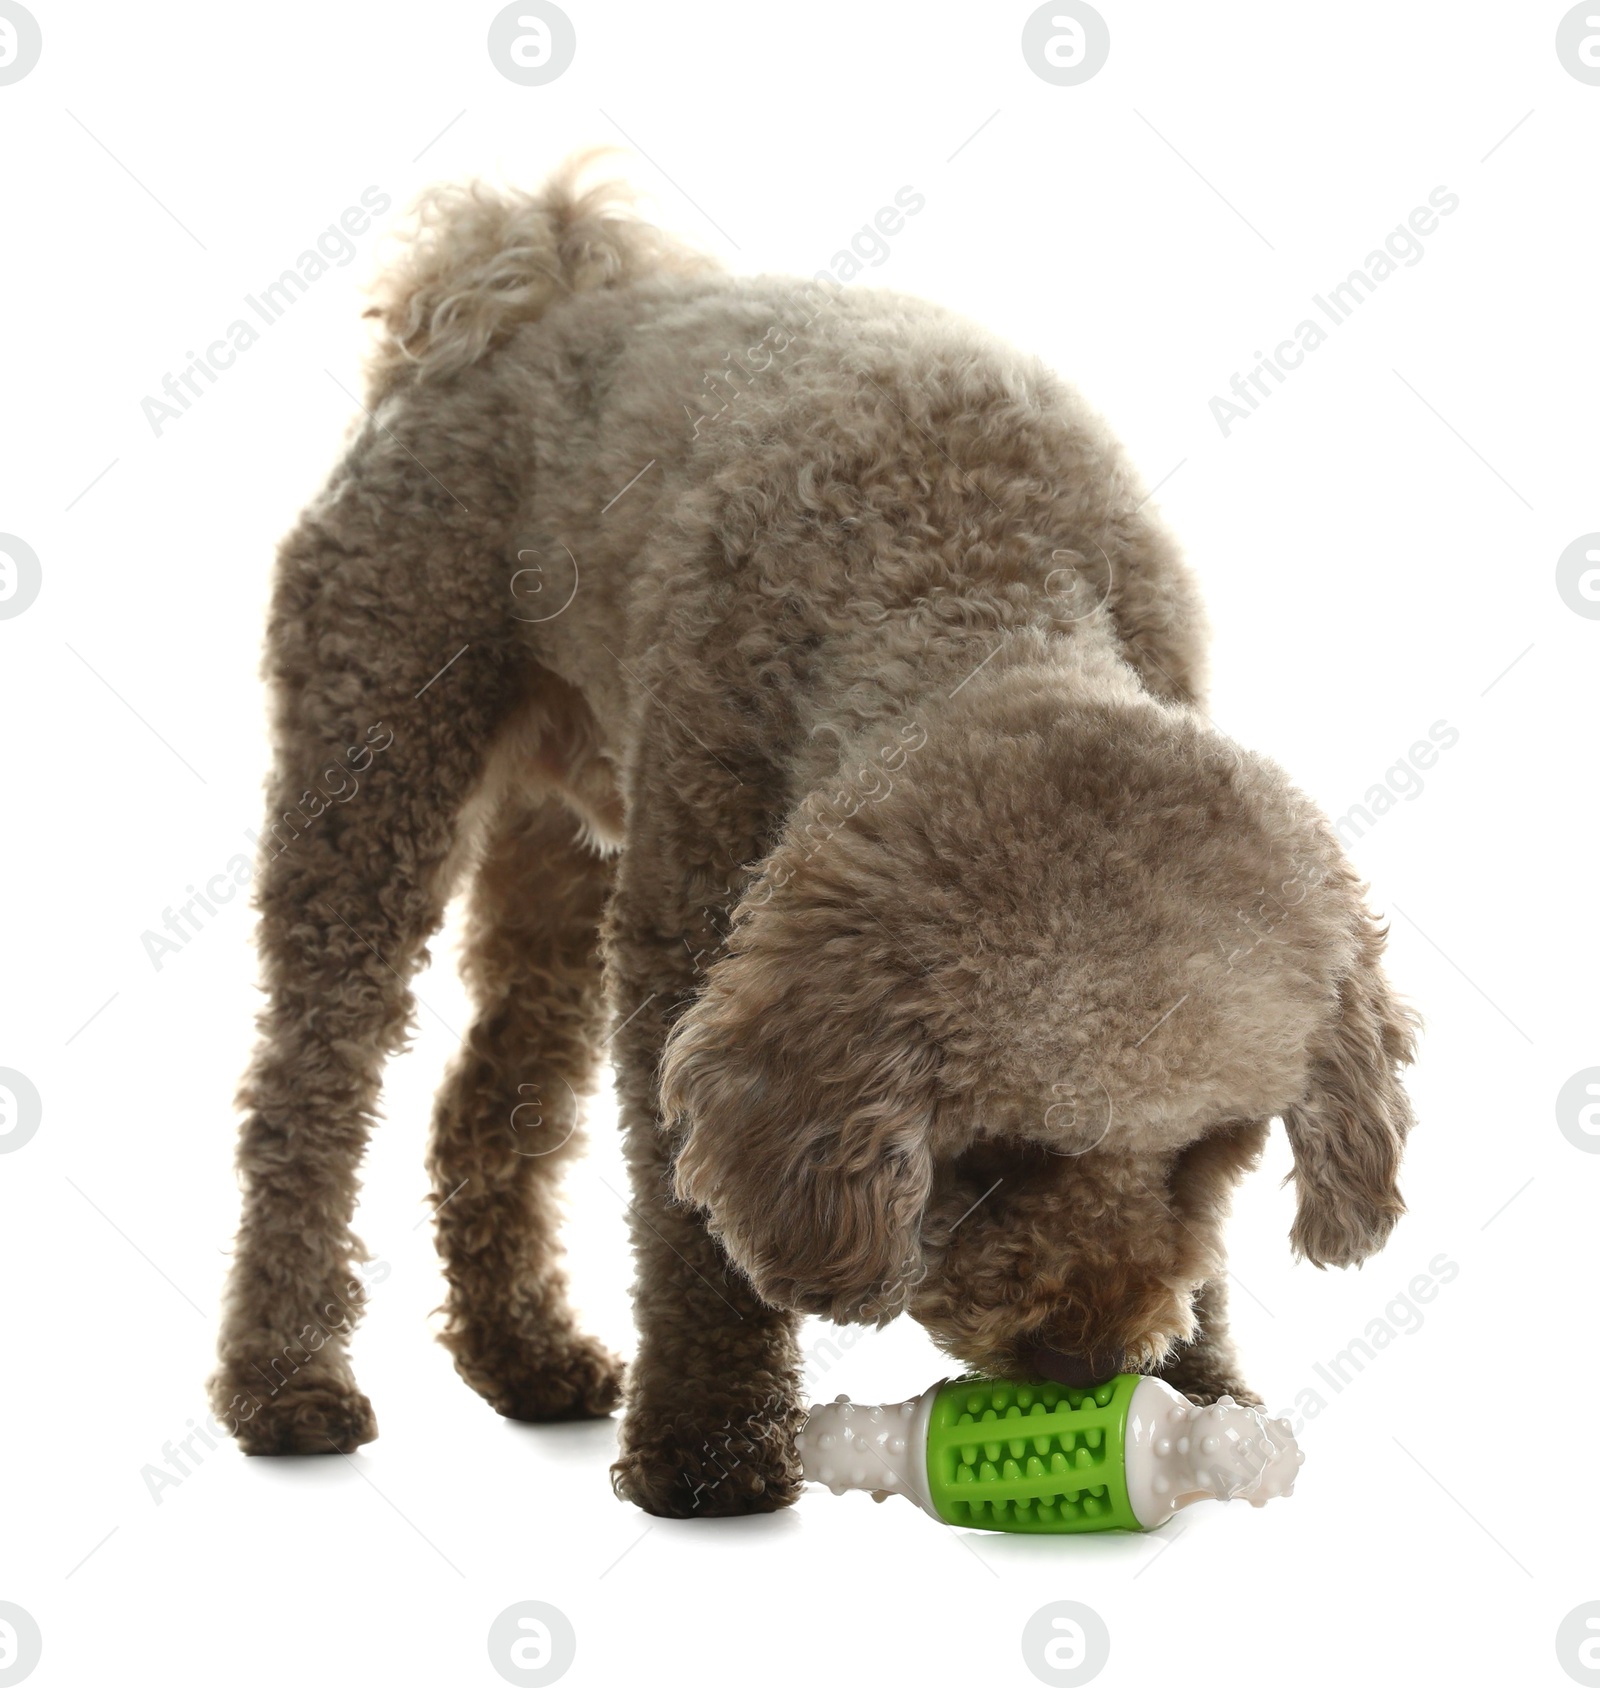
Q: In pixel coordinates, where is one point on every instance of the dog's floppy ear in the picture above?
(804, 1086)
(1348, 1130)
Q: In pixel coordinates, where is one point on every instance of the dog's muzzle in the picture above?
(1076, 1371)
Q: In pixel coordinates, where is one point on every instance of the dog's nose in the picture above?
(1076, 1371)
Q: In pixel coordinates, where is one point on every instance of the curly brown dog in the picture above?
(803, 686)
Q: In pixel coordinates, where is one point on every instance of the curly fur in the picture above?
(477, 262)
(857, 770)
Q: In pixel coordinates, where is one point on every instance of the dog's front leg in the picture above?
(1208, 1368)
(714, 1391)
(1202, 1191)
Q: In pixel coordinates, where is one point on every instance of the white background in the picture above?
(1368, 572)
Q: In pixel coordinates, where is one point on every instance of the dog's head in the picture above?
(992, 1042)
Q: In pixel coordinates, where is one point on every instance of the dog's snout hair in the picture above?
(1077, 1371)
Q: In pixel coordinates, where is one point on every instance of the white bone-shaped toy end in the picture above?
(1178, 1453)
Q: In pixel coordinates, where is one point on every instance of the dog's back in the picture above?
(750, 463)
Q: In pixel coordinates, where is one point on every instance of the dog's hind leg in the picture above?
(508, 1118)
(393, 666)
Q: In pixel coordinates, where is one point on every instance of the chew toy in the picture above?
(1038, 1458)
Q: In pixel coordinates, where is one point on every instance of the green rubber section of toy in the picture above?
(1033, 1458)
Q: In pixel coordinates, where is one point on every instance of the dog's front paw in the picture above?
(1205, 1381)
(315, 1411)
(709, 1465)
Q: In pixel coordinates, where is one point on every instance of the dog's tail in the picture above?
(477, 262)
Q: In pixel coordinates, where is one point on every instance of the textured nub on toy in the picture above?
(1041, 1458)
